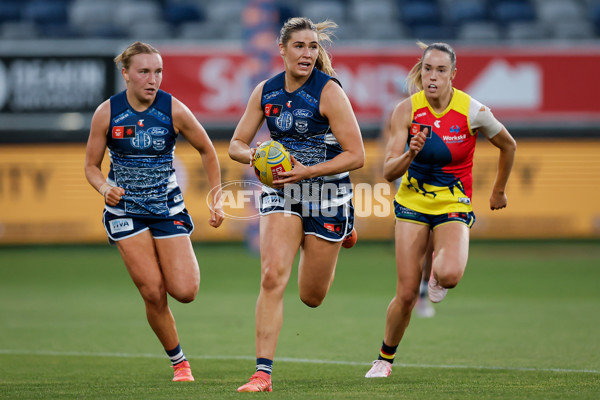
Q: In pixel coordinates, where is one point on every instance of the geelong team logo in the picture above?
(301, 125)
(158, 144)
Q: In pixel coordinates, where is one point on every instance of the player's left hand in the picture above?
(498, 200)
(113, 195)
(298, 173)
(216, 215)
(252, 153)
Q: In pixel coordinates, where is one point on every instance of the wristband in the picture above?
(104, 188)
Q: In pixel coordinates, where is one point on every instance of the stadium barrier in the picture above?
(553, 193)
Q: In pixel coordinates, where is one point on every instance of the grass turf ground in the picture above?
(524, 323)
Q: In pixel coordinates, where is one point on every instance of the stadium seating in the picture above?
(519, 31)
(415, 14)
(462, 11)
(508, 11)
(51, 17)
(10, 11)
(468, 20)
(178, 13)
(594, 13)
(477, 32)
(326, 9)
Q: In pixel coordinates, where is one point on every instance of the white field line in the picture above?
(288, 359)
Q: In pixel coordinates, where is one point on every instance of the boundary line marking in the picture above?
(288, 359)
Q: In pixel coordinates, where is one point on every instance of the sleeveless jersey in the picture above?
(141, 148)
(440, 180)
(294, 120)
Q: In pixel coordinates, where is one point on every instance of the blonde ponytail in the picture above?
(324, 33)
(413, 80)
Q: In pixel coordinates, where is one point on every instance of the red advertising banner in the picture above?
(520, 84)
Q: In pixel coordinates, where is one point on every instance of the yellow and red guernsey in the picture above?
(440, 179)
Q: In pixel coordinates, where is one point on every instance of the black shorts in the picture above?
(333, 223)
(432, 220)
(121, 227)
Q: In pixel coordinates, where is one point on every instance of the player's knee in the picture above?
(312, 300)
(406, 299)
(185, 292)
(449, 279)
(271, 279)
(154, 296)
(186, 296)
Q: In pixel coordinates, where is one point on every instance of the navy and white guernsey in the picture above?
(294, 120)
(141, 148)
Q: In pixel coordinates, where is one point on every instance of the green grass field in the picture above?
(524, 323)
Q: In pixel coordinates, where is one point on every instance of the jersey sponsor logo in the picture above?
(302, 113)
(454, 139)
(421, 114)
(121, 117)
(123, 132)
(464, 200)
(178, 198)
(117, 132)
(289, 104)
(460, 215)
(437, 123)
(273, 94)
(120, 225)
(455, 129)
(284, 121)
(272, 201)
(402, 211)
(301, 125)
(157, 131)
(180, 225)
(273, 110)
(141, 123)
(336, 228)
(416, 128)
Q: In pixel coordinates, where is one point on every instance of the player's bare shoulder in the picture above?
(103, 109)
(101, 117)
(402, 114)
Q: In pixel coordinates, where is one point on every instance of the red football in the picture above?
(350, 240)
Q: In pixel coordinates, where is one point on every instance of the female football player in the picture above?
(144, 212)
(440, 124)
(310, 210)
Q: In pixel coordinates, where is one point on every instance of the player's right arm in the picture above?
(94, 154)
(250, 123)
(397, 157)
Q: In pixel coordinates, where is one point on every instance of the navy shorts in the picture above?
(432, 220)
(332, 224)
(121, 227)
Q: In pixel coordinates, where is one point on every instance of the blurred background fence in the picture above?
(533, 62)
